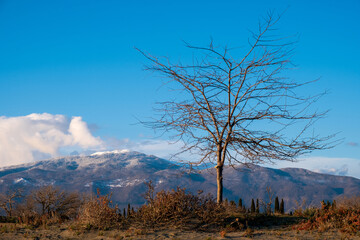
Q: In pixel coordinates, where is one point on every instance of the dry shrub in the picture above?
(8, 200)
(177, 208)
(249, 232)
(209, 212)
(349, 202)
(301, 208)
(223, 234)
(26, 211)
(345, 216)
(48, 205)
(306, 212)
(96, 212)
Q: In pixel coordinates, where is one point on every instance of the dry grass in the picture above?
(61, 231)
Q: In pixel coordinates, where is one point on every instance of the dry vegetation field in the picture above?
(50, 213)
(64, 231)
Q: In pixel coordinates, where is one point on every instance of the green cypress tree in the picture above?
(282, 209)
(257, 206)
(240, 204)
(128, 211)
(252, 206)
(276, 210)
(124, 213)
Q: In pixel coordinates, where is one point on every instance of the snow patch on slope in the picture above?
(132, 163)
(125, 182)
(110, 152)
(19, 180)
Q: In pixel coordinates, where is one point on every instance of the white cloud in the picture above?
(161, 147)
(81, 134)
(342, 171)
(28, 138)
(328, 165)
(158, 147)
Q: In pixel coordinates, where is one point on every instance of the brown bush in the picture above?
(8, 201)
(26, 211)
(96, 212)
(345, 216)
(48, 205)
(349, 202)
(177, 208)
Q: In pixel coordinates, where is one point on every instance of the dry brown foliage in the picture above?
(349, 202)
(345, 216)
(48, 205)
(7, 201)
(96, 212)
(177, 208)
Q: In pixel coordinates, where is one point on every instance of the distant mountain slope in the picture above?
(124, 173)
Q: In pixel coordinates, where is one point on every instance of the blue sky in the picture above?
(77, 58)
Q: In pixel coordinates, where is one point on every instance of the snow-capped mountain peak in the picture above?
(110, 152)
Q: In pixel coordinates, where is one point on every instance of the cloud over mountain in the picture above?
(37, 136)
(341, 171)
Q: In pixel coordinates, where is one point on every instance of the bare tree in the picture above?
(236, 110)
(53, 201)
(267, 203)
(8, 200)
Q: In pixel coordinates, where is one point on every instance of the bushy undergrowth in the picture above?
(344, 216)
(174, 209)
(48, 205)
(97, 212)
(178, 208)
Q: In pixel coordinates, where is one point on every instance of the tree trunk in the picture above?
(219, 172)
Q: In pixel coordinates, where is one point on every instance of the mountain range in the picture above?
(124, 173)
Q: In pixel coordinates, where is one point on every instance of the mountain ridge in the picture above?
(124, 173)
